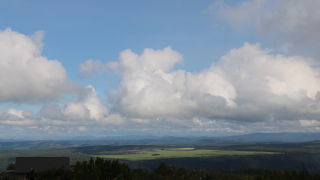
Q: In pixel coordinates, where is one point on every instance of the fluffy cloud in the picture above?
(296, 22)
(247, 84)
(71, 117)
(15, 117)
(248, 89)
(26, 75)
(88, 107)
(151, 89)
(271, 86)
(91, 67)
(240, 15)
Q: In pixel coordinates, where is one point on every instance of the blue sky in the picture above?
(101, 29)
(76, 31)
(208, 67)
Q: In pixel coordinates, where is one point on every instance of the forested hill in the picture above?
(141, 140)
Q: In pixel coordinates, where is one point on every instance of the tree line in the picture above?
(102, 169)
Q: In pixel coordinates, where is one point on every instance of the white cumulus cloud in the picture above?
(150, 87)
(86, 108)
(90, 67)
(247, 84)
(26, 75)
(295, 22)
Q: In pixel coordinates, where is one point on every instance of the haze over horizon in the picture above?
(171, 67)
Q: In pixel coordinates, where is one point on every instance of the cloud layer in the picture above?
(150, 88)
(26, 75)
(248, 89)
(295, 22)
(248, 84)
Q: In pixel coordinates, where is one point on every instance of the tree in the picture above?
(11, 166)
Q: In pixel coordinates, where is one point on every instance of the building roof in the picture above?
(38, 164)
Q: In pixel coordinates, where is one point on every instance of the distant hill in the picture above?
(153, 140)
(267, 137)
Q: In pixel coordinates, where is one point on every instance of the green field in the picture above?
(180, 153)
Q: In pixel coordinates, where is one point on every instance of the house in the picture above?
(38, 164)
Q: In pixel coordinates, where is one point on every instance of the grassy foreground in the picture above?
(180, 153)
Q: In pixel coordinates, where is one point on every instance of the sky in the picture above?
(146, 67)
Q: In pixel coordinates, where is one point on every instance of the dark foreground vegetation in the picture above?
(96, 169)
(285, 160)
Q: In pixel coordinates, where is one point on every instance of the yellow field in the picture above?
(179, 153)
